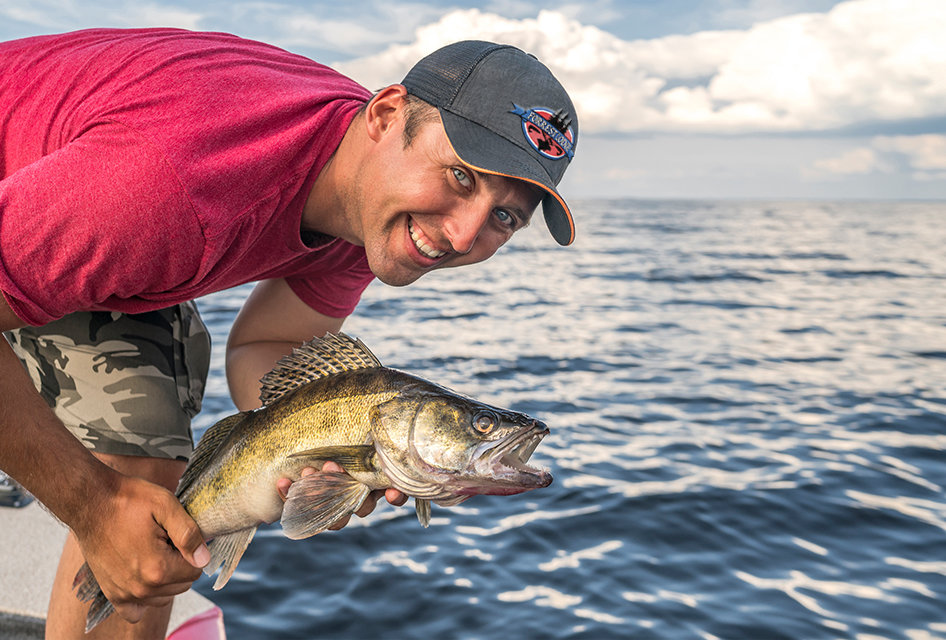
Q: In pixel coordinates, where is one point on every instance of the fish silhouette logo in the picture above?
(548, 132)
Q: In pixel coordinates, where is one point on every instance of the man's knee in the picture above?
(161, 471)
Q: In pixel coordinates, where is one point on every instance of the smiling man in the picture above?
(144, 168)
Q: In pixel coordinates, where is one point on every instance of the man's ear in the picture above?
(385, 110)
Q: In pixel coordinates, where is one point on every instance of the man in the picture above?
(144, 168)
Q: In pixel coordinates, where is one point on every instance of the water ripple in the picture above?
(747, 404)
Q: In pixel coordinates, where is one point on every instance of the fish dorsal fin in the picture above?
(207, 446)
(317, 358)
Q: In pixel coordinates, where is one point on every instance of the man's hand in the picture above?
(393, 496)
(141, 545)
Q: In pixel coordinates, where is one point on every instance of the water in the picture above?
(747, 411)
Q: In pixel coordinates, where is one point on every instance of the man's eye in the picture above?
(505, 217)
(462, 178)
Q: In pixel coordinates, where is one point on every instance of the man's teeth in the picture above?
(422, 246)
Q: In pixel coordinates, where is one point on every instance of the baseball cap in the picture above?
(504, 114)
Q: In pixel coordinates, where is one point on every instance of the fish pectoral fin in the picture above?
(423, 511)
(316, 502)
(227, 550)
(352, 457)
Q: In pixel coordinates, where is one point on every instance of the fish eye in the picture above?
(484, 421)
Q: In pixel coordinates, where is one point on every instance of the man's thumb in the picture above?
(186, 536)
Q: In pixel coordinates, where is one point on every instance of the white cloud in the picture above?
(863, 61)
(48, 16)
(859, 161)
(347, 28)
(923, 155)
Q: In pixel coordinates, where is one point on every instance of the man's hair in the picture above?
(417, 114)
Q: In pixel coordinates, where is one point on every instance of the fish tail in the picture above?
(88, 590)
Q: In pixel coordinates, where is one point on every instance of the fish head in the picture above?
(464, 446)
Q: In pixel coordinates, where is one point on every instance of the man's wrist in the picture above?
(86, 504)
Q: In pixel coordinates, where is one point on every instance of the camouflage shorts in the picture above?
(121, 383)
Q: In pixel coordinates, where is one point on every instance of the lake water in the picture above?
(747, 406)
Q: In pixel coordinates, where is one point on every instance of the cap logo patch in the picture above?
(548, 132)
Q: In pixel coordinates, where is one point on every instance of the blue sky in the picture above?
(676, 98)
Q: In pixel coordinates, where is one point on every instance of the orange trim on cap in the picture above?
(568, 213)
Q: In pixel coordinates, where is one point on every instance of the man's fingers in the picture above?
(134, 611)
(395, 497)
(130, 612)
(185, 535)
(369, 504)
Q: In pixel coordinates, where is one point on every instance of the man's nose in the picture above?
(465, 224)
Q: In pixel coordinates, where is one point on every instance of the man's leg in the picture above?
(127, 386)
(66, 616)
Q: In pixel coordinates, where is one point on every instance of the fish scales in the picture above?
(313, 415)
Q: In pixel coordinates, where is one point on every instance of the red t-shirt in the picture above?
(142, 168)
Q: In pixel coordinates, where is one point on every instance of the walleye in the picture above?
(332, 399)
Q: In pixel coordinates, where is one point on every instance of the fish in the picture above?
(332, 400)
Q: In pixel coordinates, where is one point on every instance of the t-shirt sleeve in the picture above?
(333, 286)
(78, 226)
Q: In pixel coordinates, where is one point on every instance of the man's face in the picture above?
(423, 209)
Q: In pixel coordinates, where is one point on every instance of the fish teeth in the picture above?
(518, 455)
(422, 246)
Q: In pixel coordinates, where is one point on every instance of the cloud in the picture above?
(923, 155)
(310, 27)
(346, 28)
(859, 161)
(863, 61)
(49, 16)
(926, 152)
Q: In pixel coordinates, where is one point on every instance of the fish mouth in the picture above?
(503, 463)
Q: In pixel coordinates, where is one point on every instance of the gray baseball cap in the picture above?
(504, 114)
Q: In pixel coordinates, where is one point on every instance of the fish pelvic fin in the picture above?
(227, 550)
(316, 359)
(208, 445)
(89, 591)
(352, 458)
(423, 511)
(316, 502)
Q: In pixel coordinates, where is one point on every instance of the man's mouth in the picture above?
(422, 243)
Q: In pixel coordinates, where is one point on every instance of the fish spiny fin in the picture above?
(89, 591)
(316, 502)
(317, 358)
(227, 551)
(207, 446)
(423, 511)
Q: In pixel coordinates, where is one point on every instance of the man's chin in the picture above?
(397, 278)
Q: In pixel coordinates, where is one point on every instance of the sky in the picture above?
(761, 99)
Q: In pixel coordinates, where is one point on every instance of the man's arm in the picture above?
(122, 523)
(271, 323)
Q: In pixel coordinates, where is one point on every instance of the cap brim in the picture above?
(489, 152)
